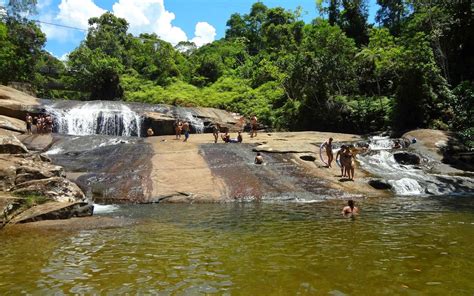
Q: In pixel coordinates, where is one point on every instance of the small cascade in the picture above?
(380, 143)
(409, 179)
(196, 123)
(103, 118)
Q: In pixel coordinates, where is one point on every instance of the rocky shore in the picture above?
(54, 176)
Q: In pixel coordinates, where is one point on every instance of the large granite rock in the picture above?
(38, 142)
(17, 169)
(12, 124)
(56, 188)
(54, 211)
(14, 103)
(11, 145)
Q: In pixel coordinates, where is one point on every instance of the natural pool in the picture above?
(400, 245)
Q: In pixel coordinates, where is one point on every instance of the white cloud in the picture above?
(149, 16)
(143, 16)
(77, 12)
(204, 34)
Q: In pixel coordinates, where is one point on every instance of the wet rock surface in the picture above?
(407, 158)
(380, 184)
(279, 178)
(113, 173)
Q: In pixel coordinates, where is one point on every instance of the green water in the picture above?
(406, 246)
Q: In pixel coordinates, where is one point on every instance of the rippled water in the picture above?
(396, 246)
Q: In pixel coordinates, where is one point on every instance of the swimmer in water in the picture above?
(258, 158)
(350, 209)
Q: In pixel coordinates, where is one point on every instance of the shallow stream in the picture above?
(400, 245)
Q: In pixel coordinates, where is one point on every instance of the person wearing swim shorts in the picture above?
(186, 131)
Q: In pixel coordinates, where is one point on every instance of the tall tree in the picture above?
(391, 14)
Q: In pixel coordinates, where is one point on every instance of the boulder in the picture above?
(379, 184)
(54, 211)
(38, 142)
(11, 145)
(55, 188)
(162, 124)
(407, 158)
(12, 124)
(16, 104)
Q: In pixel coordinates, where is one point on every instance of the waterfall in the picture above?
(196, 123)
(104, 118)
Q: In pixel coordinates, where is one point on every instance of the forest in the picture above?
(413, 68)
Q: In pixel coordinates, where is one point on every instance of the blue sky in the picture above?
(200, 21)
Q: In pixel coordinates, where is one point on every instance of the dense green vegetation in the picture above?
(339, 73)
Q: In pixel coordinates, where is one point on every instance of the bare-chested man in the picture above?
(29, 122)
(253, 126)
(258, 158)
(178, 126)
(342, 161)
(215, 131)
(186, 131)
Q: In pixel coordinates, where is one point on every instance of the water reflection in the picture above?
(396, 246)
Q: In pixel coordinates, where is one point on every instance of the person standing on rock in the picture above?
(349, 160)
(186, 131)
(342, 161)
(253, 126)
(215, 131)
(29, 122)
(178, 126)
(328, 146)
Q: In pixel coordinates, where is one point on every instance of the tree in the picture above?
(392, 14)
(96, 72)
(109, 34)
(350, 15)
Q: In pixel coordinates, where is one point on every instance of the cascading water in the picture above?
(104, 118)
(408, 179)
(196, 123)
(380, 143)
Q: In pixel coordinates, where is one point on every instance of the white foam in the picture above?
(104, 209)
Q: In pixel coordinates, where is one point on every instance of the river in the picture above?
(400, 245)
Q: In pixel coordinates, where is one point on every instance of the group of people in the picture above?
(181, 127)
(346, 158)
(43, 123)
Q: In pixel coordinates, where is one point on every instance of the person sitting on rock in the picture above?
(350, 209)
(225, 137)
(258, 158)
(149, 132)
